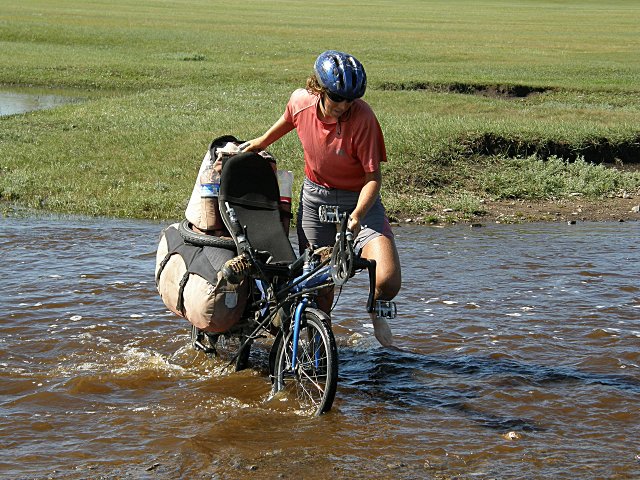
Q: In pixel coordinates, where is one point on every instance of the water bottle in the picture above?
(209, 180)
(209, 191)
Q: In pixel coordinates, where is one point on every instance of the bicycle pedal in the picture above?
(386, 309)
(329, 214)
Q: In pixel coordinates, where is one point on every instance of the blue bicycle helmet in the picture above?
(340, 73)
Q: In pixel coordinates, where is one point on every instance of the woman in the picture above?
(343, 147)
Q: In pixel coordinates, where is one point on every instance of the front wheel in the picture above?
(314, 377)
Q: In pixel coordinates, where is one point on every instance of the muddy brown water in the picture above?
(520, 360)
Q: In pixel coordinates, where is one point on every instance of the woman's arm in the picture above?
(277, 130)
(368, 195)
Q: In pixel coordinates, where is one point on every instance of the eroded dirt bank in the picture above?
(570, 209)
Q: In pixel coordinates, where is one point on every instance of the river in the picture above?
(520, 360)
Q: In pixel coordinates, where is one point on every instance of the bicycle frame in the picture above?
(320, 277)
(284, 297)
(317, 275)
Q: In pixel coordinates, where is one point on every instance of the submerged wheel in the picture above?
(224, 347)
(314, 378)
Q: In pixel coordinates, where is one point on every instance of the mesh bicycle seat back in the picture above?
(249, 185)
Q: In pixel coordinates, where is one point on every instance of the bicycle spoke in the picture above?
(308, 369)
(315, 384)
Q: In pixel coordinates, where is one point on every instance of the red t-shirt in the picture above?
(337, 155)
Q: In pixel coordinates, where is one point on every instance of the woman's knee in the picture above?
(388, 272)
(388, 277)
(388, 287)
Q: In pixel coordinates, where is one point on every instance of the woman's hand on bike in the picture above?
(254, 145)
(354, 226)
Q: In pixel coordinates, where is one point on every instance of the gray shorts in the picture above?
(312, 232)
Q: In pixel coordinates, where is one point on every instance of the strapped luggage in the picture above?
(189, 281)
(203, 212)
(188, 275)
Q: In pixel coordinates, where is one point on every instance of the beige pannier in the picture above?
(189, 282)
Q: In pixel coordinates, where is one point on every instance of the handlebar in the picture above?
(344, 261)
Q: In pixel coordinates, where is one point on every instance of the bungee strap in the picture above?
(182, 284)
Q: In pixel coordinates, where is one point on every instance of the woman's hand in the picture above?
(254, 145)
(354, 226)
(367, 197)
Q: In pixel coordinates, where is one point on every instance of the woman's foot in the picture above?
(382, 331)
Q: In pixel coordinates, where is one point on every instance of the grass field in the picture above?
(476, 99)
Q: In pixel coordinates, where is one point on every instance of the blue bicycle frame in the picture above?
(317, 279)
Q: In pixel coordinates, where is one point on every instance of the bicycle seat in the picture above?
(250, 186)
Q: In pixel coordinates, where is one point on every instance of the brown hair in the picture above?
(314, 87)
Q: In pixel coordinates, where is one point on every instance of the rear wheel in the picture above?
(314, 377)
(234, 350)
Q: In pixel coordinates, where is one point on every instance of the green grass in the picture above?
(164, 78)
(533, 178)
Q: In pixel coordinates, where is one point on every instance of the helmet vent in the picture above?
(338, 72)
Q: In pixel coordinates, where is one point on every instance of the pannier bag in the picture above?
(189, 281)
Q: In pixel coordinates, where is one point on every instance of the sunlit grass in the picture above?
(533, 178)
(171, 76)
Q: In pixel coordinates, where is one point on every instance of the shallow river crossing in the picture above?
(521, 360)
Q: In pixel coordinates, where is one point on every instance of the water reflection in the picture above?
(16, 102)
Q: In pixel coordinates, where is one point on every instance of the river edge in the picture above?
(570, 210)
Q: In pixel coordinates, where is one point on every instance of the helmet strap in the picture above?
(323, 110)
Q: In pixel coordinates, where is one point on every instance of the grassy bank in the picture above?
(495, 101)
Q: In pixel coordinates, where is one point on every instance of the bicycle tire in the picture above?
(315, 379)
(202, 240)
